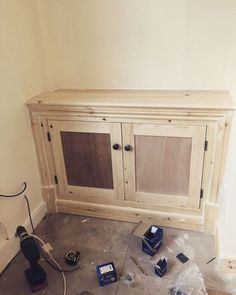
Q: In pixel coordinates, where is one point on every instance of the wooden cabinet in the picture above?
(159, 164)
(133, 155)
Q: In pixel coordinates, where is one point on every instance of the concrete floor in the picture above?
(100, 241)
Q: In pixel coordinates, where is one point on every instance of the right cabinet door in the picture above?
(163, 164)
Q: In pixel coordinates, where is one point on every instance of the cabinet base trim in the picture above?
(130, 214)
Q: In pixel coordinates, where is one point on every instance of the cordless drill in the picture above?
(35, 274)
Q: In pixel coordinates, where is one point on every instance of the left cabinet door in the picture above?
(88, 160)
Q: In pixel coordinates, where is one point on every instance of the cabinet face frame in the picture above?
(114, 131)
(197, 135)
(216, 119)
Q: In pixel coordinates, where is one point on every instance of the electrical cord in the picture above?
(15, 195)
(11, 196)
(54, 266)
(51, 257)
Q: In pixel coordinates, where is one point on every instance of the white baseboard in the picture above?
(224, 264)
(227, 264)
(9, 248)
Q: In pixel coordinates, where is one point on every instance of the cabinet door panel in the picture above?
(157, 174)
(87, 158)
(85, 162)
(167, 161)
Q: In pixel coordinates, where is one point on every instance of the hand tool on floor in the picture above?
(138, 265)
(35, 274)
(72, 257)
(211, 260)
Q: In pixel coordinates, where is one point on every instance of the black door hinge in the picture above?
(49, 136)
(206, 145)
(55, 178)
(201, 193)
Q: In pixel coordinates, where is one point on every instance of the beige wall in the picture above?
(22, 75)
(184, 44)
(165, 44)
(140, 43)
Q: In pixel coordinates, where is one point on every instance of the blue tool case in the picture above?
(106, 273)
(161, 267)
(152, 240)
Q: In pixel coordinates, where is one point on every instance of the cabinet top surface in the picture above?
(214, 100)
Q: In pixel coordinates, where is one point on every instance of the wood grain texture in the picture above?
(113, 132)
(190, 160)
(129, 164)
(131, 214)
(197, 164)
(217, 292)
(163, 164)
(39, 133)
(138, 98)
(123, 114)
(87, 159)
(211, 214)
(117, 161)
(103, 199)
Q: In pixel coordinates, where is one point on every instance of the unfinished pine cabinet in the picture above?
(133, 154)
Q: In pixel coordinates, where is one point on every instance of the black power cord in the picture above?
(41, 251)
(55, 267)
(15, 195)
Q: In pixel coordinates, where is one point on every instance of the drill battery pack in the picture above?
(36, 278)
(106, 273)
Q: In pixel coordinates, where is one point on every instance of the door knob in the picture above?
(116, 146)
(128, 147)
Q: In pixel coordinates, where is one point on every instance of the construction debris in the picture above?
(128, 278)
(189, 282)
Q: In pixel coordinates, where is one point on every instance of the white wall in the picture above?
(164, 44)
(22, 75)
(139, 43)
(184, 44)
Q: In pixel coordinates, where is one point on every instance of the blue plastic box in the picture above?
(106, 273)
(152, 240)
(161, 267)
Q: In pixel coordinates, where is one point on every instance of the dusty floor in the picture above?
(100, 241)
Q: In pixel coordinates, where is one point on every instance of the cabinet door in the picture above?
(86, 163)
(164, 163)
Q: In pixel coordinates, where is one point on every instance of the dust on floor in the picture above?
(100, 241)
